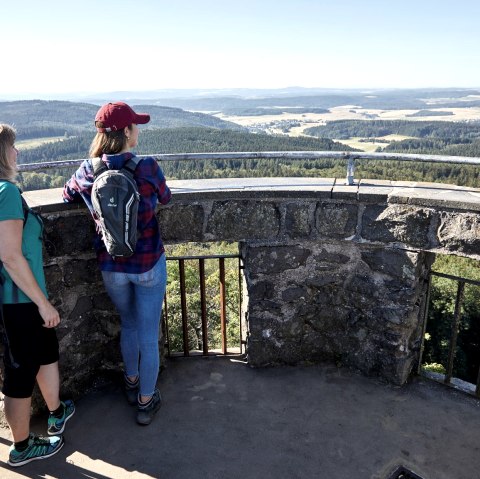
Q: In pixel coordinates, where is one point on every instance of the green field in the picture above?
(370, 145)
(36, 142)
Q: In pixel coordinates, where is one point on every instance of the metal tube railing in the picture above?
(350, 157)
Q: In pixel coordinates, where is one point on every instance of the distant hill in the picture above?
(430, 113)
(39, 113)
(246, 100)
(39, 118)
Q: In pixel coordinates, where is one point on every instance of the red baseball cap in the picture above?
(116, 116)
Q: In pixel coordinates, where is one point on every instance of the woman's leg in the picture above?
(48, 379)
(149, 294)
(17, 414)
(121, 292)
(28, 345)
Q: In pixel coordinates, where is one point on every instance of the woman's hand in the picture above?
(49, 314)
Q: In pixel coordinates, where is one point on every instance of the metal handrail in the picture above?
(350, 157)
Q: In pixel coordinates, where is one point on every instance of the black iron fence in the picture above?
(202, 307)
(450, 351)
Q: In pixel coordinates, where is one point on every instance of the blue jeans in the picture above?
(139, 298)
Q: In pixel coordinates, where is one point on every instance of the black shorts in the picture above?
(28, 345)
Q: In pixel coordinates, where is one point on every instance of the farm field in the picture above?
(36, 142)
(294, 124)
(350, 112)
(301, 121)
(370, 146)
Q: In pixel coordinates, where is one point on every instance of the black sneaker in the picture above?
(131, 390)
(39, 447)
(146, 412)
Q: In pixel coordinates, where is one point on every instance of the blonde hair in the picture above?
(7, 139)
(108, 143)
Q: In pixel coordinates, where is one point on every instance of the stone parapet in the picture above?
(332, 272)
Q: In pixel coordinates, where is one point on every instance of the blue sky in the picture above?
(101, 46)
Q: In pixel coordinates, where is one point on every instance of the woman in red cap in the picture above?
(136, 284)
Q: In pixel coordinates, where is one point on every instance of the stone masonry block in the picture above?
(276, 260)
(397, 223)
(181, 222)
(238, 220)
(298, 222)
(336, 220)
(460, 232)
(68, 235)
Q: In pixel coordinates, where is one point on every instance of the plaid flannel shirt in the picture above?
(152, 188)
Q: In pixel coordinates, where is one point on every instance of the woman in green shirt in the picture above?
(29, 319)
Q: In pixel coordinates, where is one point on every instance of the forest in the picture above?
(192, 140)
(463, 140)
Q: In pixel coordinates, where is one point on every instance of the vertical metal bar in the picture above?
(223, 311)
(165, 318)
(424, 327)
(455, 325)
(240, 303)
(477, 390)
(203, 304)
(183, 300)
(350, 170)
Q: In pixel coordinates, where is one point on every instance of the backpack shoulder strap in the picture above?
(131, 164)
(25, 209)
(98, 167)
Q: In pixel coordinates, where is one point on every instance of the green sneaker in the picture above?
(39, 447)
(57, 425)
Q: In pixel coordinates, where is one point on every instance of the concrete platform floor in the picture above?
(223, 419)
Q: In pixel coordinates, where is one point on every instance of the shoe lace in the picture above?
(41, 441)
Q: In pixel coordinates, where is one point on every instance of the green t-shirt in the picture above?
(11, 209)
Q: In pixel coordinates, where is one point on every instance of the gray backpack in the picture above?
(115, 200)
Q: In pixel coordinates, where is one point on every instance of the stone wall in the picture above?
(358, 305)
(332, 272)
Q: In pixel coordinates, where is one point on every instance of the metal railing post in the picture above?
(350, 170)
(455, 325)
(165, 320)
(203, 306)
(223, 308)
(424, 327)
(183, 300)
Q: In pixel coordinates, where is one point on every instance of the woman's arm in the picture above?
(19, 270)
(154, 174)
(80, 184)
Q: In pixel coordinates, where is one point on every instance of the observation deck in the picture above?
(335, 275)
